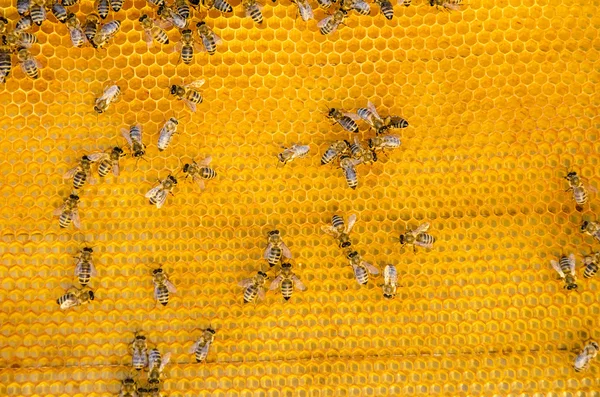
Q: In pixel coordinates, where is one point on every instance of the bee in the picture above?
(69, 3)
(346, 120)
(16, 39)
(80, 173)
(359, 6)
(158, 194)
(75, 297)
(133, 136)
(156, 364)
(295, 151)
(591, 229)
(325, 4)
(75, 31)
(384, 142)
(335, 150)
(580, 194)
(59, 11)
(339, 230)
(3, 24)
(253, 10)
(202, 345)
(111, 94)
(25, 23)
(153, 32)
(166, 133)
(128, 388)
(583, 360)
(304, 9)
(364, 156)
(417, 237)
(106, 32)
(162, 286)
(23, 6)
(139, 352)
(189, 93)
(102, 7)
(387, 10)
(28, 63)
(5, 64)
(183, 8)
(592, 263)
(287, 280)
(446, 5)
(276, 248)
(370, 115)
(37, 11)
(361, 268)
(108, 161)
(200, 171)
(347, 165)
(221, 5)
(254, 287)
(90, 27)
(116, 5)
(390, 277)
(157, 3)
(209, 39)
(565, 267)
(69, 212)
(170, 17)
(85, 269)
(330, 24)
(187, 46)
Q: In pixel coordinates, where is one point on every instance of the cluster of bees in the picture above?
(286, 280)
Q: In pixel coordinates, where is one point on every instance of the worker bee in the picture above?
(591, 229)
(5, 64)
(565, 267)
(384, 142)
(81, 173)
(170, 17)
(370, 115)
(75, 30)
(339, 230)
(583, 360)
(287, 281)
(209, 39)
(106, 32)
(75, 297)
(139, 352)
(364, 156)
(17, 39)
(446, 5)
(111, 94)
(202, 345)
(116, 5)
(69, 212)
(187, 46)
(166, 133)
(330, 24)
(23, 6)
(85, 269)
(361, 268)
(325, 4)
(387, 10)
(335, 150)
(37, 11)
(359, 6)
(28, 63)
(69, 3)
(158, 194)
(133, 136)
(253, 10)
(25, 23)
(189, 93)
(591, 263)
(580, 194)
(346, 120)
(162, 286)
(156, 364)
(276, 248)
(102, 7)
(128, 388)
(158, 3)
(254, 287)
(390, 277)
(417, 237)
(108, 161)
(221, 5)
(295, 151)
(90, 27)
(348, 165)
(59, 11)
(152, 31)
(183, 8)
(200, 171)
(304, 9)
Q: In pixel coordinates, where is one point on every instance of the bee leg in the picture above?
(415, 249)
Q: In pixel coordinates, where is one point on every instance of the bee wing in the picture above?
(199, 181)
(205, 348)
(148, 38)
(190, 105)
(286, 251)
(592, 189)
(424, 245)
(261, 293)
(267, 250)
(329, 230)
(556, 267)
(160, 198)
(71, 173)
(370, 268)
(127, 137)
(75, 218)
(246, 282)
(59, 210)
(165, 360)
(217, 39)
(371, 107)
(353, 116)
(324, 21)
(572, 263)
(97, 156)
(299, 284)
(78, 268)
(115, 168)
(155, 291)
(93, 271)
(305, 11)
(170, 286)
(206, 161)
(400, 2)
(164, 24)
(421, 229)
(351, 221)
(154, 191)
(275, 283)
(452, 6)
(68, 303)
(194, 347)
(195, 84)
(389, 275)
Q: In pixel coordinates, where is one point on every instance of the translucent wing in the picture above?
(556, 267)
(421, 229)
(371, 107)
(400, 2)
(194, 347)
(324, 21)
(71, 173)
(78, 268)
(125, 134)
(217, 39)
(165, 360)
(246, 282)
(370, 268)
(286, 251)
(329, 230)
(59, 210)
(195, 84)
(148, 37)
(452, 6)
(199, 181)
(160, 198)
(190, 105)
(165, 24)
(154, 191)
(298, 283)
(156, 292)
(261, 293)
(572, 263)
(389, 275)
(305, 10)
(206, 161)
(115, 168)
(275, 283)
(592, 189)
(424, 245)
(93, 269)
(351, 221)
(75, 218)
(170, 286)
(205, 348)
(98, 156)
(267, 250)
(68, 303)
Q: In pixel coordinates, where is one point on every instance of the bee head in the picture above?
(118, 150)
(161, 8)
(194, 2)
(388, 296)
(331, 113)
(142, 390)
(174, 120)
(139, 153)
(184, 32)
(143, 17)
(157, 271)
(173, 179)
(186, 168)
(3, 20)
(200, 24)
(98, 110)
(263, 274)
(432, 2)
(128, 381)
(345, 244)
(286, 265)
(273, 232)
(402, 239)
(173, 89)
(584, 225)
(351, 254)
(154, 381)
(73, 197)
(88, 250)
(91, 294)
(211, 330)
(571, 175)
(595, 345)
(85, 158)
(140, 337)
(570, 287)
(371, 143)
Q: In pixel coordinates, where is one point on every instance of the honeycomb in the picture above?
(502, 98)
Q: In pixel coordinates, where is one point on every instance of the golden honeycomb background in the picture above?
(501, 98)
